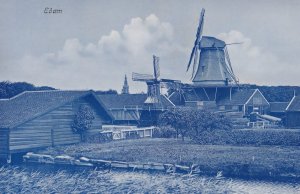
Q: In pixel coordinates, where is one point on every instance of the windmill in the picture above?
(210, 60)
(154, 83)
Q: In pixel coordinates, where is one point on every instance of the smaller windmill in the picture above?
(210, 60)
(154, 83)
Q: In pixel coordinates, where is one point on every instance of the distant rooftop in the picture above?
(239, 97)
(294, 105)
(30, 104)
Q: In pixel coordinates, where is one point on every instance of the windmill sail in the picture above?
(141, 77)
(156, 67)
(154, 83)
(210, 58)
(196, 48)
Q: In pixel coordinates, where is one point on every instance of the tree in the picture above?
(83, 121)
(179, 119)
(8, 89)
(192, 122)
(204, 121)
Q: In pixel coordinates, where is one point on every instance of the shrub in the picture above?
(189, 122)
(99, 138)
(164, 132)
(83, 121)
(250, 137)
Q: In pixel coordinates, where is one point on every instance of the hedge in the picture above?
(249, 137)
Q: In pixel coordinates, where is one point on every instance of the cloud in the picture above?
(102, 64)
(254, 64)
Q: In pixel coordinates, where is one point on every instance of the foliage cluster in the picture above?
(189, 122)
(164, 132)
(276, 93)
(9, 89)
(83, 121)
(251, 137)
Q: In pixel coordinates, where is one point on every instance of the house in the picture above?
(131, 109)
(125, 108)
(277, 109)
(293, 113)
(37, 119)
(245, 101)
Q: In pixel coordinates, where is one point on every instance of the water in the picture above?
(262, 187)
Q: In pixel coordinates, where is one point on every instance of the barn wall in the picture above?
(4, 149)
(293, 119)
(259, 101)
(51, 129)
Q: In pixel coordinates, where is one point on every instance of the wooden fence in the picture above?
(107, 164)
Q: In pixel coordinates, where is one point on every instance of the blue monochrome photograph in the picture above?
(140, 96)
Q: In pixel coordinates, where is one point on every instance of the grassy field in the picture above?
(42, 180)
(231, 160)
(26, 180)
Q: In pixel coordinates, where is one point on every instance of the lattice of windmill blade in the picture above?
(230, 69)
(141, 77)
(156, 67)
(196, 49)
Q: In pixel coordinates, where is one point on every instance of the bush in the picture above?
(250, 137)
(99, 138)
(83, 121)
(189, 122)
(164, 132)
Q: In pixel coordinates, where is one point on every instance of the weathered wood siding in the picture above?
(258, 101)
(4, 146)
(52, 128)
(293, 119)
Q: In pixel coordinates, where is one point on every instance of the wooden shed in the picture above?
(245, 101)
(293, 113)
(37, 119)
(128, 109)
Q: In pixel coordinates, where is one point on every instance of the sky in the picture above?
(92, 44)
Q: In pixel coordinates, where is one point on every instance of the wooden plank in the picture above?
(36, 138)
(29, 141)
(29, 133)
(29, 147)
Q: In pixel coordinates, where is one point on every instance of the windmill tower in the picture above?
(154, 84)
(153, 104)
(210, 60)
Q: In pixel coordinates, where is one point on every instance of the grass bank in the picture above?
(26, 180)
(234, 161)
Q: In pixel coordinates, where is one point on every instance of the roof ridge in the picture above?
(40, 91)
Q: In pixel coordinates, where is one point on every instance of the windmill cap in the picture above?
(209, 42)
